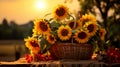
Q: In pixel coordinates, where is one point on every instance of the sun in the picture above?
(40, 4)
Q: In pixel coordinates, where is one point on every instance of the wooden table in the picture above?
(58, 63)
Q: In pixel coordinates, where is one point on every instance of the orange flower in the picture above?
(102, 33)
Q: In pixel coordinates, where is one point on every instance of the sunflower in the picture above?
(102, 33)
(64, 32)
(34, 32)
(74, 24)
(91, 27)
(32, 44)
(60, 12)
(41, 27)
(81, 36)
(51, 39)
(87, 18)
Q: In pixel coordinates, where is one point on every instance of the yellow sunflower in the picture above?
(91, 27)
(74, 24)
(102, 33)
(87, 18)
(64, 32)
(60, 12)
(51, 39)
(41, 27)
(81, 36)
(34, 32)
(32, 44)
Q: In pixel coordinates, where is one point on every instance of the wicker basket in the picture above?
(71, 51)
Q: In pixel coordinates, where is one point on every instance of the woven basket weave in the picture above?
(71, 51)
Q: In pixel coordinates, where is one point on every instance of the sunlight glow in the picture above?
(40, 4)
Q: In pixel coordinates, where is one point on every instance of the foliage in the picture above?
(108, 11)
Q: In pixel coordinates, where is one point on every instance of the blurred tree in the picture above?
(5, 31)
(5, 23)
(15, 31)
(27, 29)
(109, 13)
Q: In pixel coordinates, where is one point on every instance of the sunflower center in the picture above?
(101, 33)
(51, 38)
(71, 24)
(64, 32)
(90, 28)
(60, 11)
(43, 26)
(76, 25)
(82, 35)
(34, 44)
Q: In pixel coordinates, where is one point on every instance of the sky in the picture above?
(22, 11)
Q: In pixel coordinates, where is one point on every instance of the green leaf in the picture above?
(48, 46)
(54, 24)
(42, 44)
(54, 33)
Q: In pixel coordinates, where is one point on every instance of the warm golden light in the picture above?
(31, 9)
(40, 4)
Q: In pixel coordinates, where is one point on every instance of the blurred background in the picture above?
(16, 21)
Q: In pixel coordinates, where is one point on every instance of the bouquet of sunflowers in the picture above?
(62, 27)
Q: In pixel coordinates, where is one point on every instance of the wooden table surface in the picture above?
(58, 63)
